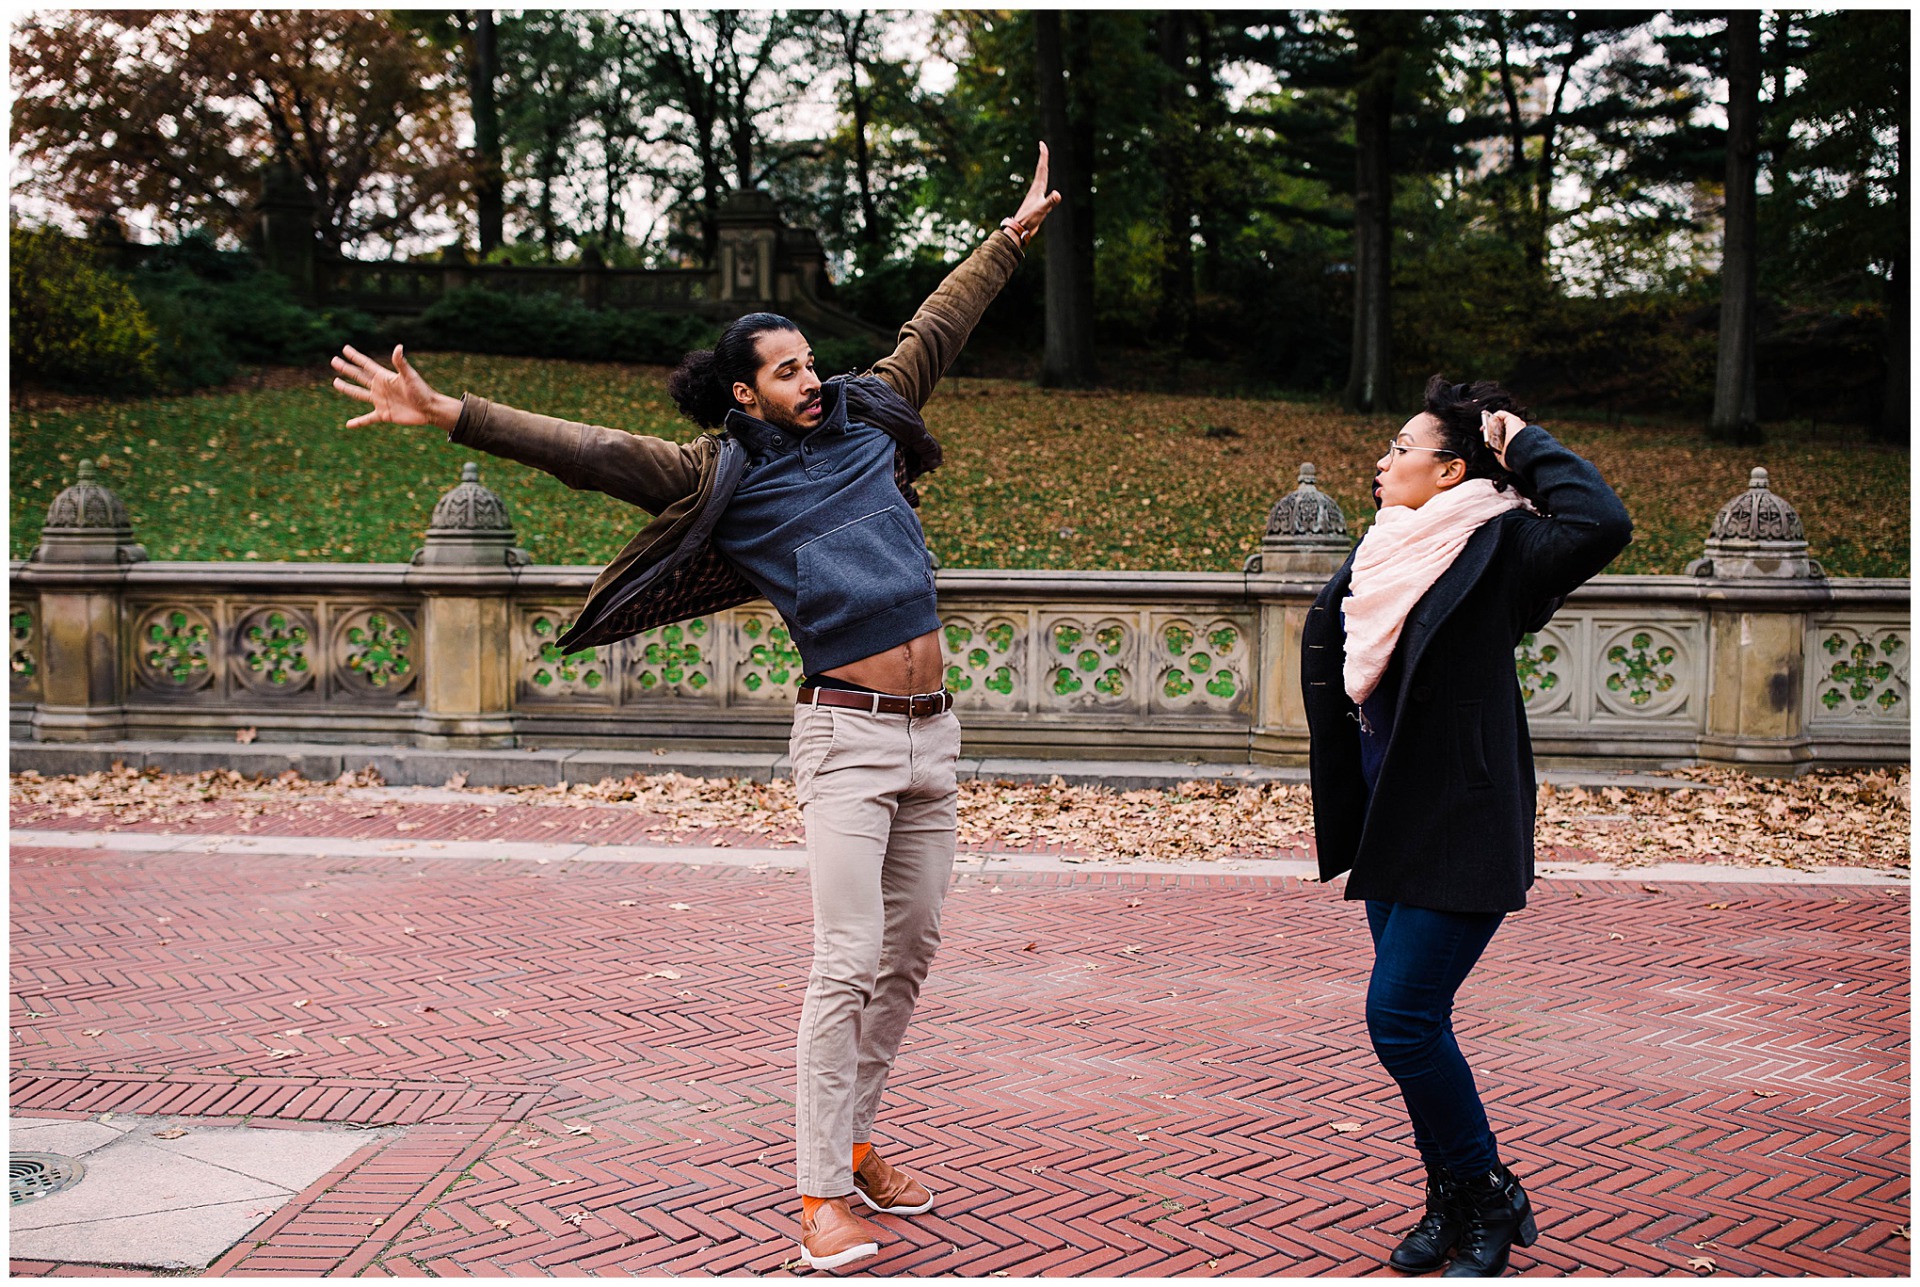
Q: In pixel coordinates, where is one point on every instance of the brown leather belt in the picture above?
(880, 703)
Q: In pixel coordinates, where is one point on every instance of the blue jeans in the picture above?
(1420, 959)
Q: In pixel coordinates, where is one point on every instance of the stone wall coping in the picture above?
(1039, 585)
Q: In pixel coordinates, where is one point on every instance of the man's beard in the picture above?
(790, 420)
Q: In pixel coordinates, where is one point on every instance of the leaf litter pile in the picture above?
(1853, 818)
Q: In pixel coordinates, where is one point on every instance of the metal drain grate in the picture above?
(35, 1175)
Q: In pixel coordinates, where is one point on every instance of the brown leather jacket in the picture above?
(670, 571)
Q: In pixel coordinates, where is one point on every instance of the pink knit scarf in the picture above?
(1401, 556)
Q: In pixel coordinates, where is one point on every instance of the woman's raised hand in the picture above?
(399, 396)
(1498, 427)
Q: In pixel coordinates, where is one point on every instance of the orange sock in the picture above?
(808, 1206)
(860, 1152)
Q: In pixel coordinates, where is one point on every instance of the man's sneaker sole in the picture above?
(839, 1258)
(922, 1209)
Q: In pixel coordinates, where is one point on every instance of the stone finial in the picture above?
(88, 505)
(1306, 532)
(470, 527)
(1306, 511)
(1757, 514)
(468, 508)
(87, 523)
(1756, 534)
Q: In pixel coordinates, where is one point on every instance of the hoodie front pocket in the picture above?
(859, 570)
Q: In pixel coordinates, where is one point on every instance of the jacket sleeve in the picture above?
(931, 340)
(1585, 525)
(648, 472)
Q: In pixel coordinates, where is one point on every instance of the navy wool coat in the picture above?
(1449, 825)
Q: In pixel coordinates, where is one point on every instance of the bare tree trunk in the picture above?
(1174, 156)
(1896, 413)
(1068, 359)
(1082, 111)
(1735, 401)
(489, 177)
(1370, 377)
(872, 235)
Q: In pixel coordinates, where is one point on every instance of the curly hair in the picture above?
(1457, 409)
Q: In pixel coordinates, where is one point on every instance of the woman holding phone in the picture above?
(1423, 786)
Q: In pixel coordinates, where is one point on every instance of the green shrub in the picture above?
(215, 310)
(477, 320)
(74, 324)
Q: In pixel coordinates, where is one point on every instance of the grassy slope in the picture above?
(1033, 479)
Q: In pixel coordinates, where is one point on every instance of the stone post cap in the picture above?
(1757, 534)
(1757, 514)
(1306, 532)
(470, 527)
(87, 523)
(1306, 512)
(88, 506)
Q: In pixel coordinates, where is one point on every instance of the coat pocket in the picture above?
(1469, 744)
(859, 570)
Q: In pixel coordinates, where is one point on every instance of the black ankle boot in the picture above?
(1497, 1216)
(1425, 1247)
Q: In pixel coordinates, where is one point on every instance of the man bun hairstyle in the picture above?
(1457, 407)
(702, 385)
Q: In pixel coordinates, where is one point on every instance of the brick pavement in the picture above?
(1146, 1072)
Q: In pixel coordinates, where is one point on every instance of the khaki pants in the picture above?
(879, 795)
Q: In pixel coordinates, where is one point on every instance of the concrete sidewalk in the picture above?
(569, 1057)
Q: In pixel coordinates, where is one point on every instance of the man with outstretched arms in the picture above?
(804, 496)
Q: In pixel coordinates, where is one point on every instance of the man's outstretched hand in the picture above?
(399, 396)
(1039, 202)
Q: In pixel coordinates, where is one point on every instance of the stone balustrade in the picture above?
(1775, 667)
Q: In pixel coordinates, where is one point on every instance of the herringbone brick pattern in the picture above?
(1111, 1074)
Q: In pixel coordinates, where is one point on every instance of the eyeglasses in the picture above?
(1400, 449)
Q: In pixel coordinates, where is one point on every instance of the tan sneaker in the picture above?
(835, 1236)
(889, 1190)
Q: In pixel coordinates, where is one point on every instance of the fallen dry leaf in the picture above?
(245, 735)
(580, 1128)
(502, 1224)
(1721, 816)
(1766, 1094)
(1717, 907)
(1348, 1128)
(457, 781)
(679, 907)
(628, 902)
(171, 1133)
(661, 974)
(300, 1003)
(93, 1032)
(1701, 1264)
